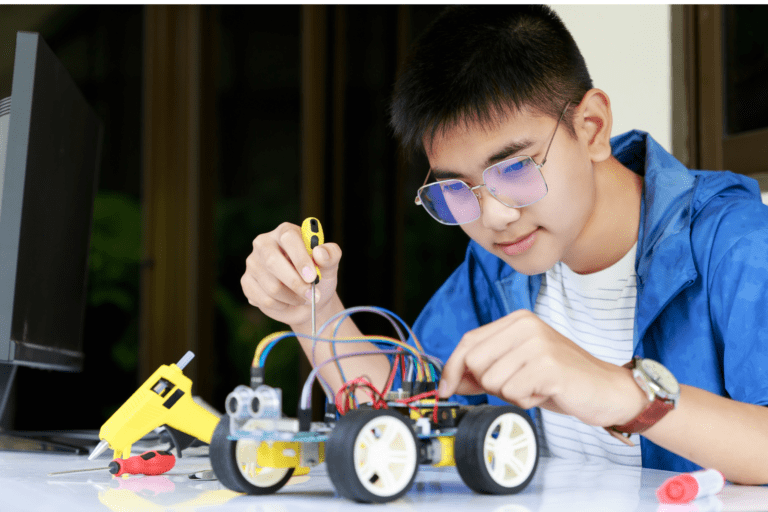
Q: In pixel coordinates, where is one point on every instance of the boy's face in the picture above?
(533, 238)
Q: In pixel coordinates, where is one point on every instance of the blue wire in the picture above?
(386, 312)
(365, 309)
(271, 345)
(414, 352)
(343, 316)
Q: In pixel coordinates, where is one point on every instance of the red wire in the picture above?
(350, 387)
(377, 397)
(378, 402)
(433, 393)
(392, 374)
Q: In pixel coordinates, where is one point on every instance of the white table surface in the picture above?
(558, 485)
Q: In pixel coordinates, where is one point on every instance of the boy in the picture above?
(584, 252)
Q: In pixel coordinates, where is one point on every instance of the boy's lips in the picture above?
(520, 245)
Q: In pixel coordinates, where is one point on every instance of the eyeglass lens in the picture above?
(450, 202)
(516, 183)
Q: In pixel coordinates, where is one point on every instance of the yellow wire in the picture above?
(415, 340)
(420, 368)
(263, 344)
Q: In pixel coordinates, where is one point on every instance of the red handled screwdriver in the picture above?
(151, 463)
(148, 463)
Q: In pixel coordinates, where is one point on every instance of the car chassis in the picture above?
(372, 452)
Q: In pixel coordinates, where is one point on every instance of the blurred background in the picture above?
(221, 122)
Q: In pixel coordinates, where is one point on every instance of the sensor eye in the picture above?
(232, 405)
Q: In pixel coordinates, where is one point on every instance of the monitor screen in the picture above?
(51, 142)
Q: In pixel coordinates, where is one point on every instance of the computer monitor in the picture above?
(50, 143)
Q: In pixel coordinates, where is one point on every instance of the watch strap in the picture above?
(653, 412)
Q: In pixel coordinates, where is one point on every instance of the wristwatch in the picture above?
(662, 390)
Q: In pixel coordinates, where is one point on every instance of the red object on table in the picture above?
(687, 487)
(153, 462)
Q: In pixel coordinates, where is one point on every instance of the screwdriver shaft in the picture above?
(76, 471)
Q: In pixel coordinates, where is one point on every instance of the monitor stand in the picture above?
(66, 441)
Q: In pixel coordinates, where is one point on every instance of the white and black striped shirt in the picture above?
(597, 312)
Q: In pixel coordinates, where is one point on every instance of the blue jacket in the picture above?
(702, 284)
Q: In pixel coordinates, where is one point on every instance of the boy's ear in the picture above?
(593, 124)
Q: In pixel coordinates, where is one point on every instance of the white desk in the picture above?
(557, 486)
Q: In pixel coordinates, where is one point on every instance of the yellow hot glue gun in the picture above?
(165, 398)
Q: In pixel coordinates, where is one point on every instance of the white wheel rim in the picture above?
(384, 456)
(509, 450)
(246, 455)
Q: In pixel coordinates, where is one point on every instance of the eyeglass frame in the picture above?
(472, 189)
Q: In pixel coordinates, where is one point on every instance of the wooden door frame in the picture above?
(709, 146)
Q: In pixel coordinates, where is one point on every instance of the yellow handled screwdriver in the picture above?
(312, 234)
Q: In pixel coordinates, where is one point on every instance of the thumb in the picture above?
(327, 257)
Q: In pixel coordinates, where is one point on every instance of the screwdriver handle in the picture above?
(312, 234)
(149, 463)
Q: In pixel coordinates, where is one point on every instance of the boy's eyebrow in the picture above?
(509, 150)
(441, 175)
(505, 153)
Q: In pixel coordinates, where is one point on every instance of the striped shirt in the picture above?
(597, 312)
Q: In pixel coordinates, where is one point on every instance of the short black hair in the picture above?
(476, 64)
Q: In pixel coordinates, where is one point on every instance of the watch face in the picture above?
(661, 376)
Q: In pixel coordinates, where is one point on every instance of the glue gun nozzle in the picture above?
(103, 445)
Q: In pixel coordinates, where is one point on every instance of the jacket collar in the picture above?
(664, 261)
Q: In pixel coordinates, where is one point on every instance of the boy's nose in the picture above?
(496, 215)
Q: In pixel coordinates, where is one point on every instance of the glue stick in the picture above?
(689, 486)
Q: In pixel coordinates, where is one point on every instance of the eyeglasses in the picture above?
(515, 183)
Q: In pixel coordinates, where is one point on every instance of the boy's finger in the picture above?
(327, 257)
(456, 366)
(293, 245)
(468, 385)
(453, 371)
(280, 291)
(480, 348)
(258, 297)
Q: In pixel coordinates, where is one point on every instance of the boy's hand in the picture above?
(522, 360)
(279, 272)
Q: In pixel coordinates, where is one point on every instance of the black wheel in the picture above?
(372, 455)
(234, 464)
(496, 449)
